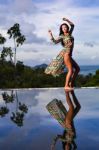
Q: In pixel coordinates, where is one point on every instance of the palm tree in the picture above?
(15, 33)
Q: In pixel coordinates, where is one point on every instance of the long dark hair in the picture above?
(61, 32)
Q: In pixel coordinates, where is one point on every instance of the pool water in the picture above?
(25, 123)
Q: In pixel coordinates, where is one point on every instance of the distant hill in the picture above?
(40, 66)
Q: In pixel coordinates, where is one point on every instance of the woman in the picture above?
(56, 67)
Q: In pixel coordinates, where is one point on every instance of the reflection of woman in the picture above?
(65, 56)
(69, 133)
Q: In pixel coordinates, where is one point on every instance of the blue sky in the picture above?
(37, 16)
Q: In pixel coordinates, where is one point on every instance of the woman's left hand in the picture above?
(64, 19)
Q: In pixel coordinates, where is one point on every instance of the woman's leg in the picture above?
(68, 63)
(76, 102)
(75, 73)
(70, 113)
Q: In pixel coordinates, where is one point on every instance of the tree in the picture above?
(2, 39)
(7, 51)
(15, 33)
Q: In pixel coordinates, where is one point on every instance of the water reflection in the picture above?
(17, 116)
(40, 127)
(66, 119)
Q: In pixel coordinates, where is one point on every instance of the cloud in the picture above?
(89, 44)
(36, 17)
(27, 6)
(88, 3)
(93, 57)
(33, 38)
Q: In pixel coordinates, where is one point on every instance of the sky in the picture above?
(36, 17)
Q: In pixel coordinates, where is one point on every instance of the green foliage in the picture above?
(83, 80)
(7, 51)
(26, 77)
(2, 39)
(15, 33)
(94, 80)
